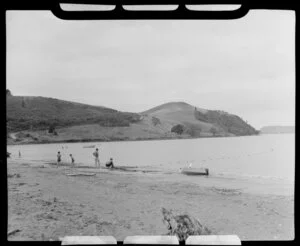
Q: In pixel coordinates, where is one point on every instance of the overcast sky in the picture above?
(245, 66)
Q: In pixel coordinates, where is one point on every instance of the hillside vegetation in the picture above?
(45, 120)
(36, 113)
(196, 121)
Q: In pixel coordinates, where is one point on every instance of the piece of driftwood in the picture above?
(81, 174)
(11, 232)
(183, 225)
(13, 175)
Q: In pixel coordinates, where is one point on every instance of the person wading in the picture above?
(58, 158)
(72, 160)
(96, 155)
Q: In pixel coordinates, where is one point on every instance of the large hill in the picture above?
(36, 113)
(197, 121)
(43, 120)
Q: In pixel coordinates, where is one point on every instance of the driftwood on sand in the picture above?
(81, 174)
(183, 225)
(11, 232)
(13, 175)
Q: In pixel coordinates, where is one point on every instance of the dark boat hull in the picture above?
(195, 171)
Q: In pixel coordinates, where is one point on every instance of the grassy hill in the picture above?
(197, 121)
(36, 113)
(30, 118)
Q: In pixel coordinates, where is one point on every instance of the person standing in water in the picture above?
(72, 160)
(96, 155)
(58, 158)
(19, 154)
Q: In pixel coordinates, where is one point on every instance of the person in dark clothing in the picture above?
(58, 158)
(110, 163)
(72, 160)
(96, 155)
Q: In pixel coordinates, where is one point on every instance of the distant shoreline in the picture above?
(123, 140)
(268, 133)
(133, 140)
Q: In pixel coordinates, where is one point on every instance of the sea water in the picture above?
(260, 164)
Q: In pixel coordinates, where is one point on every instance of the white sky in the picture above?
(245, 66)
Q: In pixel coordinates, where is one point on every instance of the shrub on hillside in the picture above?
(155, 121)
(51, 129)
(200, 116)
(213, 130)
(189, 131)
(178, 129)
(193, 131)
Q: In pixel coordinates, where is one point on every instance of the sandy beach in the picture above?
(46, 204)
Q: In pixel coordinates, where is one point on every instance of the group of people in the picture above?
(108, 164)
(59, 159)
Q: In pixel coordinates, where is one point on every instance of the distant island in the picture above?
(49, 120)
(277, 129)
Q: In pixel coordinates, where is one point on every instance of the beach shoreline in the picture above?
(12, 143)
(45, 204)
(101, 140)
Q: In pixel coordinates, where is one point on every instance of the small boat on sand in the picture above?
(195, 171)
(89, 146)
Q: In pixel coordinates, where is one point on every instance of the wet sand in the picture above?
(46, 204)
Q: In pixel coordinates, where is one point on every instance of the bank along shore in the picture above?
(35, 138)
(44, 203)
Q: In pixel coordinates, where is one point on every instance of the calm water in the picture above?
(253, 160)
